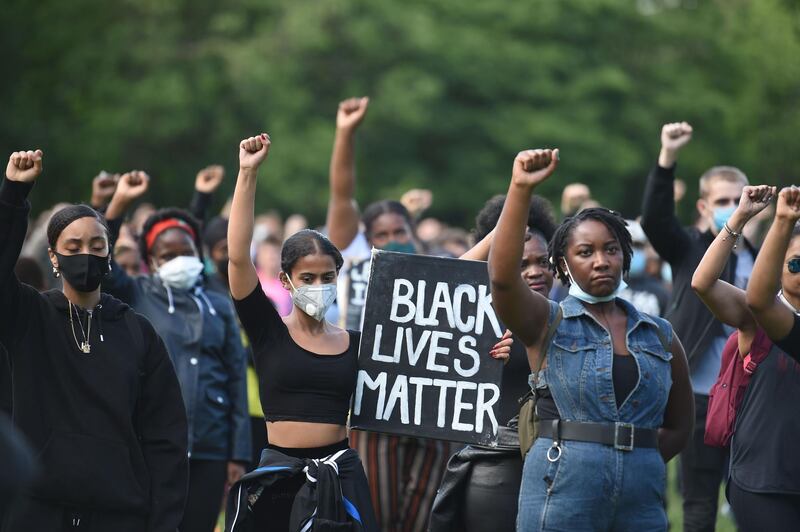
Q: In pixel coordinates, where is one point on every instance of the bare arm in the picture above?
(480, 251)
(775, 317)
(241, 271)
(679, 414)
(343, 217)
(727, 302)
(523, 311)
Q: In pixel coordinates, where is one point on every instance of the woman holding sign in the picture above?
(307, 372)
(618, 378)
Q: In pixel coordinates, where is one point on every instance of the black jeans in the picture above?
(764, 512)
(204, 501)
(702, 469)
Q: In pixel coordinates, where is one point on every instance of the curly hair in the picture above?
(611, 219)
(165, 214)
(540, 217)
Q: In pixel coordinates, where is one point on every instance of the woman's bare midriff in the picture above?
(301, 434)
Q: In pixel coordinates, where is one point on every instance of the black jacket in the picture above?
(109, 427)
(683, 248)
(205, 345)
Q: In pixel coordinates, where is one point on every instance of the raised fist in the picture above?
(755, 199)
(24, 166)
(103, 187)
(253, 151)
(789, 204)
(351, 112)
(532, 167)
(675, 136)
(417, 200)
(132, 186)
(209, 178)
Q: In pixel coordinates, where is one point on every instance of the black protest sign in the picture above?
(424, 363)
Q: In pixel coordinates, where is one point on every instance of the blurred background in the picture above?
(457, 88)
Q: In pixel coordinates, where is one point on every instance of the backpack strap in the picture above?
(548, 337)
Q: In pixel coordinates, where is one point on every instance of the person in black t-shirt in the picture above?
(765, 480)
(307, 371)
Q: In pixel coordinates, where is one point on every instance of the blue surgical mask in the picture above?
(579, 293)
(722, 215)
(638, 263)
(400, 247)
(666, 273)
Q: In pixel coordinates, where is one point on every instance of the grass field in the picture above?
(675, 510)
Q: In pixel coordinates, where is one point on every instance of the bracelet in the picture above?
(732, 233)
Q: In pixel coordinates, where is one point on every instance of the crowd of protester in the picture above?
(161, 364)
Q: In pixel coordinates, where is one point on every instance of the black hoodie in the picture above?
(109, 428)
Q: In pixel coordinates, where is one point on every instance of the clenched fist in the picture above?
(673, 137)
(132, 186)
(532, 167)
(351, 112)
(789, 204)
(103, 187)
(209, 178)
(253, 151)
(24, 166)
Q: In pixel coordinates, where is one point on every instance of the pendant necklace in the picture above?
(84, 346)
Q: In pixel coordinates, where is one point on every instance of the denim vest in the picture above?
(579, 367)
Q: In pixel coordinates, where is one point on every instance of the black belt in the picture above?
(622, 436)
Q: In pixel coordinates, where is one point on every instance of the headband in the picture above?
(163, 225)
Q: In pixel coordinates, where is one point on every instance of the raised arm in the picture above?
(776, 318)
(241, 271)
(659, 221)
(343, 216)
(679, 414)
(130, 187)
(480, 251)
(21, 173)
(727, 302)
(206, 183)
(523, 311)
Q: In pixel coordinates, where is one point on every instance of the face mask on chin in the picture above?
(180, 273)
(84, 272)
(579, 293)
(314, 300)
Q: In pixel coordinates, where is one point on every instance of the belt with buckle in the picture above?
(621, 436)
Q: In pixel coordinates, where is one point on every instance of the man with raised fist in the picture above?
(703, 336)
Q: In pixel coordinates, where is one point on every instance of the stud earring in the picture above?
(56, 273)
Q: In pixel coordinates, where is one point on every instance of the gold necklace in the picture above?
(84, 346)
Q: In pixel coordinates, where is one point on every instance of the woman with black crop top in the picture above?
(307, 372)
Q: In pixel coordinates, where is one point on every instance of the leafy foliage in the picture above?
(456, 90)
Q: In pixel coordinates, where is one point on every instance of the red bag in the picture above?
(727, 393)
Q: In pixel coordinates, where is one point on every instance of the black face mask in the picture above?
(83, 272)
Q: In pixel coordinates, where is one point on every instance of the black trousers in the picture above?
(764, 512)
(204, 501)
(702, 469)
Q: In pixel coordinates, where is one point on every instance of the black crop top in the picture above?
(625, 375)
(294, 383)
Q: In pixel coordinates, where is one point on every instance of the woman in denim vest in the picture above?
(615, 401)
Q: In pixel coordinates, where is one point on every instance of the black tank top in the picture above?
(625, 375)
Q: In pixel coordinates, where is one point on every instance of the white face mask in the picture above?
(579, 293)
(181, 273)
(314, 300)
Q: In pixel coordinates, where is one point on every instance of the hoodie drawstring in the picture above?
(171, 300)
(200, 292)
(100, 321)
